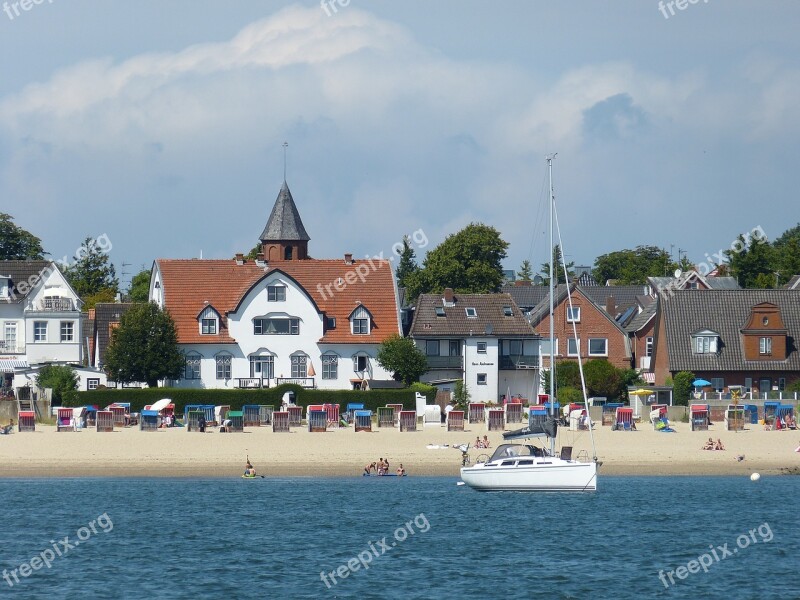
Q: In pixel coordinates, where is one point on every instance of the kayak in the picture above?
(387, 475)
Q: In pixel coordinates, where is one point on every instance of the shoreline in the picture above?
(176, 453)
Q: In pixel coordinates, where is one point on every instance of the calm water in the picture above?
(271, 538)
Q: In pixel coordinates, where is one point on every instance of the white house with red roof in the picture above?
(281, 318)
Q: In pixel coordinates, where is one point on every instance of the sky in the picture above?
(160, 123)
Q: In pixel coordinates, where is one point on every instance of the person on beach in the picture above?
(718, 445)
(379, 467)
(201, 423)
(485, 442)
(401, 471)
(8, 428)
(249, 469)
(478, 443)
(709, 444)
(373, 466)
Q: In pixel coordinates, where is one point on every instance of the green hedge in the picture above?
(237, 398)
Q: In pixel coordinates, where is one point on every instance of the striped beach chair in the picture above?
(477, 412)
(280, 421)
(386, 417)
(65, 420)
(362, 420)
(455, 420)
(26, 421)
(624, 419)
(104, 423)
(495, 419)
(317, 420)
(408, 420)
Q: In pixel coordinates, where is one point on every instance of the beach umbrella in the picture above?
(160, 405)
(640, 392)
(311, 371)
(700, 383)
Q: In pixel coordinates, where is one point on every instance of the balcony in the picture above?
(644, 363)
(52, 305)
(7, 347)
(251, 383)
(306, 382)
(520, 361)
(445, 362)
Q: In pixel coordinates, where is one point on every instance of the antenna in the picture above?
(285, 145)
(125, 273)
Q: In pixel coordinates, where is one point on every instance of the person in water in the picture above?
(249, 469)
(401, 471)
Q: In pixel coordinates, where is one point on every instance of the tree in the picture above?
(104, 295)
(252, 255)
(749, 258)
(144, 347)
(602, 378)
(787, 259)
(461, 395)
(59, 378)
(526, 271)
(140, 287)
(92, 271)
(682, 387)
(558, 267)
(16, 243)
(567, 375)
(632, 267)
(402, 358)
(407, 265)
(469, 261)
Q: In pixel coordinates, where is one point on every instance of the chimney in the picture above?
(348, 259)
(92, 313)
(239, 258)
(449, 298)
(260, 260)
(611, 306)
(522, 282)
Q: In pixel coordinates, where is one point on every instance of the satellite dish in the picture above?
(678, 273)
(489, 329)
(538, 280)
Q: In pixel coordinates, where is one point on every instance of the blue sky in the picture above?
(160, 123)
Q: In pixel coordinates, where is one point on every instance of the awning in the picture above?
(649, 377)
(8, 366)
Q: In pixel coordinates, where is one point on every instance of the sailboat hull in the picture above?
(550, 475)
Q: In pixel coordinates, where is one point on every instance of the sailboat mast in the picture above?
(552, 293)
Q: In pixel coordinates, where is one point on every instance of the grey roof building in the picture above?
(24, 275)
(284, 223)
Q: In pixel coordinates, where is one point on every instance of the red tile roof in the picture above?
(191, 285)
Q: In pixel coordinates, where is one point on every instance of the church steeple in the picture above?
(284, 237)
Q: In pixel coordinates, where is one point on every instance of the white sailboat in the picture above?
(527, 467)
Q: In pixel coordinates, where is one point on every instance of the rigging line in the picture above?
(574, 331)
(540, 214)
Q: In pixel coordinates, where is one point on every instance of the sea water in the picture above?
(413, 537)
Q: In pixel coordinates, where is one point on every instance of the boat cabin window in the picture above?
(514, 450)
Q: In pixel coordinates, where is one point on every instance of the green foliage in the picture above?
(252, 255)
(238, 398)
(569, 395)
(750, 258)
(630, 267)
(526, 271)
(794, 386)
(602, 378)
(60, 378)
(140, 287)
(682, 388)
(558, 267)
(92, 271)
(423, 388)
(144, 347)
(469, 261)
(567, 375)
(408, 264)
(401, 357)
(461, 395)
(629, 378)
(104, 295)
(17, 243)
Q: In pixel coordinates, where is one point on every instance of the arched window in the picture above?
(223, 360)
(262, 364)
(330, 366)
(192, 368)
(299, 365)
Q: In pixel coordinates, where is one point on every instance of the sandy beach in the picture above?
(178, 453)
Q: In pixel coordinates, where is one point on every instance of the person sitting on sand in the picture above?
(790, 422)
(709, 445)
(8, 428)
(401, 471)
(485, 443)
(718, 445)
(478, 443)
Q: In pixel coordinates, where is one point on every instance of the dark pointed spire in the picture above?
(284, 222)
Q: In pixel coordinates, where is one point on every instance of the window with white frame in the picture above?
(276, 293)
(718, 383)
(223, 365)
(481, 379)
(208, 326)
(92, 383)
(330, 366)
(598, 347)
(573, 314)
(481, 347)
(360, 321)
(262, 366)
(276, 326)
(648, 346)
(299, 365)
(705, 344)
(9, 341)
(471, 312)
(765, 345)
(573, 346)
(192, 367)
(67, 331)
(360, 363)
(40, 331)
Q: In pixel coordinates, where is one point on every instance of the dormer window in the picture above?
(209, 321)
(331, 322)
(507, 311)
(276, 293)
(705, 342)
(765, 345)
(440, 311)
(471, 312)
(361, 321)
